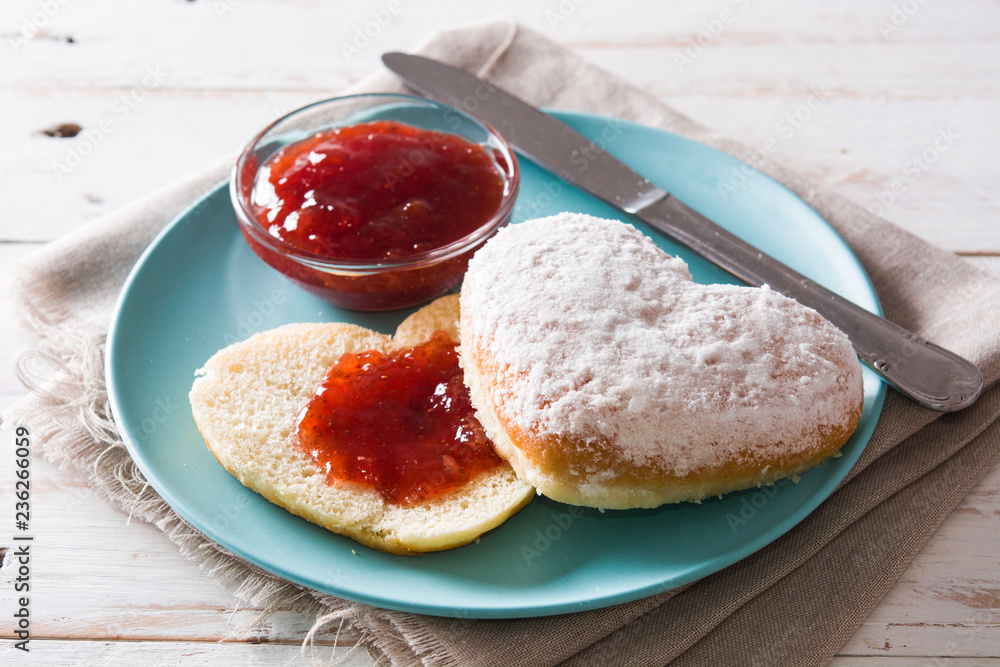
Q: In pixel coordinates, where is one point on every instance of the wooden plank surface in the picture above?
(196, 92)
(163, 87)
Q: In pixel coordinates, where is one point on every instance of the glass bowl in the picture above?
(369, 284)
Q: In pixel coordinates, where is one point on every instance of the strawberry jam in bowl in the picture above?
(374, 202)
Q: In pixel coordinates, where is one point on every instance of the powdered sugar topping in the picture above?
(596, 333)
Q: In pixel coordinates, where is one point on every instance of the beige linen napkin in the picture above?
(795, 602)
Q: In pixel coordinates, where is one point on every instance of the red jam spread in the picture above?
(378, 190)
(401, 423)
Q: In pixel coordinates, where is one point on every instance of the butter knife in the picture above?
(930, 375)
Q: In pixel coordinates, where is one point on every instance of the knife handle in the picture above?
(931, 375)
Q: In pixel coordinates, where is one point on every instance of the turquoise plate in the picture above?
(199, 288)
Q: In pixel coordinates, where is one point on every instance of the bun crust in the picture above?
(609, 379)
(246, 400)
(598, 474)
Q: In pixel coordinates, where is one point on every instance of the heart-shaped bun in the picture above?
(246, 401)
(609, 379)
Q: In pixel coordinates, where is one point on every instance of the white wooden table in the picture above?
(165, 86)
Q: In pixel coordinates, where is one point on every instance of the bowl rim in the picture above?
(512, 179)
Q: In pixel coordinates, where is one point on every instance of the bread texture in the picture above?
(246, 400)
(609, 379)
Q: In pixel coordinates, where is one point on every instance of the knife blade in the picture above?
(923, 371)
